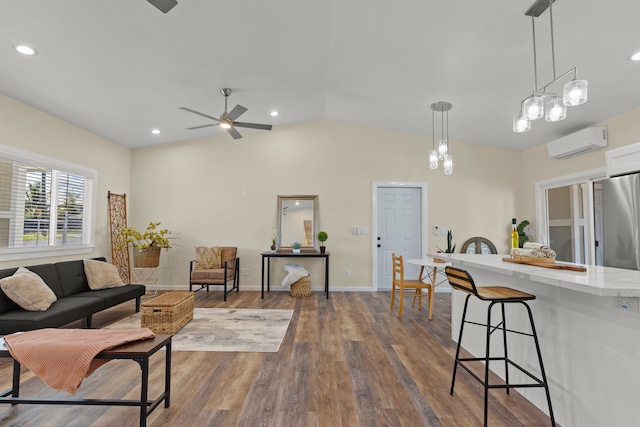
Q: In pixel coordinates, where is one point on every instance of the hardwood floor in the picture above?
(347, 361)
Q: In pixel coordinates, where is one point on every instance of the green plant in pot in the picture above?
(322, 237)
(274, 238)
(450, 248)
(295, 246)
(522, 234)
(147, 245)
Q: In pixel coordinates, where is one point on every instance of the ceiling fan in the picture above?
(227, 121)
(163, 6)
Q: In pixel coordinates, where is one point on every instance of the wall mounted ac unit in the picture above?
(577, 143)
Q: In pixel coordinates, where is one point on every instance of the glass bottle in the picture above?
(514, 234)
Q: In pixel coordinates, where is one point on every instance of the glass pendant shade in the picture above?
(533, 107)
(556, 110)
(433, 159)
(575, 93)
(443, 148)
(520, 124)
(448, 164)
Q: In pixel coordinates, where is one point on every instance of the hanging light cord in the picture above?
(448, 149)
(433, 130)
(442, 124)
(553, 49)
(535, 58)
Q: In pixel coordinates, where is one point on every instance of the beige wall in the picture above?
(31, 130)
(197, 188)
(537, 166)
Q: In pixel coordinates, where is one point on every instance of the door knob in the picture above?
(378, 237)
(378, 244)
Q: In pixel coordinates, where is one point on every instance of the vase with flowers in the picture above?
(147, 245)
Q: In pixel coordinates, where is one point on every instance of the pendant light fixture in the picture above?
(442, 153)
(552, 106)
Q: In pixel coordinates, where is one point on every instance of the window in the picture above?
(45, 206)
(565, 212)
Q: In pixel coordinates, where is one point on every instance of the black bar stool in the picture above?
(462, 281)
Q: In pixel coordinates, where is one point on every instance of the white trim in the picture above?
(424, 240)
(541, 187)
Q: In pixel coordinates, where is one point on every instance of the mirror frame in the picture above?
(316, 219)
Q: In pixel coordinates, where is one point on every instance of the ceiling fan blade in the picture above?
(203, 126)
(199, 113)
(163, 6)
(234, 133)
(253, 125)
(237, 111)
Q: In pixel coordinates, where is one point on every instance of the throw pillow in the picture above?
(208, 257)
(102, 275)
(28, 290)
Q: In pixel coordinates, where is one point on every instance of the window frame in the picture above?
(89, 207)
(586, 177)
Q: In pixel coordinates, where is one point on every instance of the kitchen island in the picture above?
(591, 348)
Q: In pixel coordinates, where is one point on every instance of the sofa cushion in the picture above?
(71, 273)
(208, 257)
(102, 275)
(61, 312)
(28, 290)
(114, 296)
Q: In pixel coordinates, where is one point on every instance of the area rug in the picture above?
(226, 330)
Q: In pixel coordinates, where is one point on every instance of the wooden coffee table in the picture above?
(139, 351)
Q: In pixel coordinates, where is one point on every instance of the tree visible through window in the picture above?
(43, 207)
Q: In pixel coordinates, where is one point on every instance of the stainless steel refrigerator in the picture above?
(621, 221)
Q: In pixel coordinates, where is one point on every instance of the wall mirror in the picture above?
(298, 221)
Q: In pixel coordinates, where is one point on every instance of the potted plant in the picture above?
(450, 249)
(322, 237)
(522, 234)
(274, 238)
(147, 245)
(295, 246)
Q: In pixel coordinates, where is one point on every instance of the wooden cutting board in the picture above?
(547, 264)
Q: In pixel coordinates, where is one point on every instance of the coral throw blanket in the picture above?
(62, 358)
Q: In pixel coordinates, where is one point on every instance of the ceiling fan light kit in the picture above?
(442, 153)
(227, 120)
(163, 6)
(542, 103)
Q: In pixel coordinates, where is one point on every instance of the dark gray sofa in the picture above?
(75, 299)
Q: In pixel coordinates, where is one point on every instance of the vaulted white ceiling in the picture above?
(120, 68)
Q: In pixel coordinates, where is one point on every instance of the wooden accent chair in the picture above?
(218, 270)
(402, 283)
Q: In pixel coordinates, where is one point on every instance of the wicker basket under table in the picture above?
(301, 287)
(167, 313)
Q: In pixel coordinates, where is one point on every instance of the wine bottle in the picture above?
(514, 235)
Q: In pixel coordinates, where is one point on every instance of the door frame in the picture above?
(424, 239)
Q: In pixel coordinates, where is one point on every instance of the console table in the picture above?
(268, 255)
(139, 351)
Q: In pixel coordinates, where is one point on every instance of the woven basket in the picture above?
(167, 313)
(301, 288)
(146, 258)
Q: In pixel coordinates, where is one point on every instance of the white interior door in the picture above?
(398, 230)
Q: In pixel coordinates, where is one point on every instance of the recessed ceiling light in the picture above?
(156, 131)
(24, 49)
(274, 113)
(635, 56)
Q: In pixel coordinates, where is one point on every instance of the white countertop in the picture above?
(597, 280)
